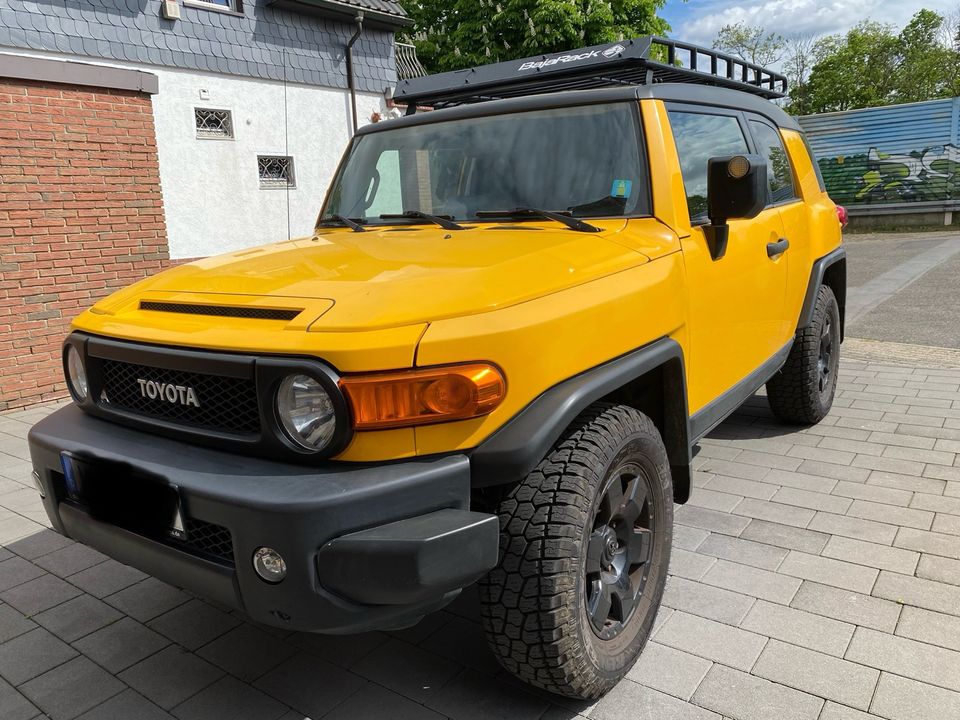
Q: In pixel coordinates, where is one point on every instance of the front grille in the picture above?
(224, 404)
(221, 310)
(205, 538)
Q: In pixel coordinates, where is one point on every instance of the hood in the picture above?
(395, 276)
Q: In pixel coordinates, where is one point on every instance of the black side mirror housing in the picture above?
(736, 189)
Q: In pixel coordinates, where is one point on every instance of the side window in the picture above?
(699, 137)
(779, 172)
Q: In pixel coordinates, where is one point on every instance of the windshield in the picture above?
(583, 160)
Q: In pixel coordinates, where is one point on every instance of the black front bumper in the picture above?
(366, 546)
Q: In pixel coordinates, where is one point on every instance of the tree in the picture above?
(872, 65)
(751, 43)
(455, 34)
(797, 66)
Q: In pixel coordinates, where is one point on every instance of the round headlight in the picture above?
(76, 374)
(306, 412)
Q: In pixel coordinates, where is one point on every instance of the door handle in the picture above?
(777, 248)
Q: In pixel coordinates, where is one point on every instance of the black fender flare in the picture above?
(519, 445)
(834, 262)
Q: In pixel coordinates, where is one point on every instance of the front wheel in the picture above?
(584, 550)
(802, 392)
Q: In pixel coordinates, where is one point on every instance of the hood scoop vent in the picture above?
(237, 311)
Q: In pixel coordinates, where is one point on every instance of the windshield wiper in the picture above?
(353, 224)
(444, 221)
(571, 222)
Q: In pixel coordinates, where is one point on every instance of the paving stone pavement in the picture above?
(816, 576)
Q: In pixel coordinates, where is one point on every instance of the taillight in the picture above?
(842, 215)
(419, 397)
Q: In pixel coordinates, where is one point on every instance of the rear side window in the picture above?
(779, 172)
(816, 164)
(699, 137)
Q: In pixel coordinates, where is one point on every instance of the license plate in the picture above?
(123, 495)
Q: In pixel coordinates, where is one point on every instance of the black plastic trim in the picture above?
(719, 409)
(411, 560)
(292, 508)
(516, 448)
(817, 274)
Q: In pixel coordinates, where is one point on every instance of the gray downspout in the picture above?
(351, 84)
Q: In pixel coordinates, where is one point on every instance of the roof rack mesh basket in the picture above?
(641, 61)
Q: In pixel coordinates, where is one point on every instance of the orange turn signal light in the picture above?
(419, 397)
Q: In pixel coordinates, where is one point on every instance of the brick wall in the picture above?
(80, 216)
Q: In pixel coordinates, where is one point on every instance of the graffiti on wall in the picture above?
(877, 177)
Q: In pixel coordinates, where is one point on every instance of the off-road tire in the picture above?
(534, 603)
(801, 393)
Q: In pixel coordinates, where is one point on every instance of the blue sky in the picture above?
(699, 20)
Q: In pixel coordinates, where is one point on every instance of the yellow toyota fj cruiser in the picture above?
(490, 362)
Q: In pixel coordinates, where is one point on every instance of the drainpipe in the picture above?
(351, 84)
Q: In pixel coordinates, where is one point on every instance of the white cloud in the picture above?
(702, 20)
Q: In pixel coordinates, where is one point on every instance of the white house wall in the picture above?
(211, 189)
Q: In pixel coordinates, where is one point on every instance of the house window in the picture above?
(276, 171)
(213, 123)
(234, 5)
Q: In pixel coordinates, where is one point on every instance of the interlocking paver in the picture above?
(230, 699)
(828, 571)
(13, 705)
(873, 555)
(629, 700)
(309, 684)
(743, 551)
(78, 617)
(812, 500)
(170, 676)
(899, 698)
(818, 674)
(712, 640)
(874, 493)
(120, 645)
(407, 670)
(928, 542)
(193, 624)
(930, 627)
(71, 689)
(706, 601)
(774, 512)
(918, 592)
(752, 581)
(246, 652)
(906, 657)
(853, 528)
(13, 623)
(747, 697)
(904, 517)
(39, 594)
(941, 569)
(32, 654)
(799, 627)
(128, 705)
(847, 606)
(785, 536)
(670, 670)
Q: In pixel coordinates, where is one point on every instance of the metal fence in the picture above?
(900, 158)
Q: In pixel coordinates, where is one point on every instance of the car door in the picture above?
(736, 301)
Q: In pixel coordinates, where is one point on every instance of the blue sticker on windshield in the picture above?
(621, 188)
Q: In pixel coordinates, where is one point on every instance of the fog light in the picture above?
(269, 565)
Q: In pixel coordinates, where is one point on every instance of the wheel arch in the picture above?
(830, 270)
(650, 379)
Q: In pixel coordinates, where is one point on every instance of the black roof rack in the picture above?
(641, 61)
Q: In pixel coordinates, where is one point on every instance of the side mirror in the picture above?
(736, 189)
